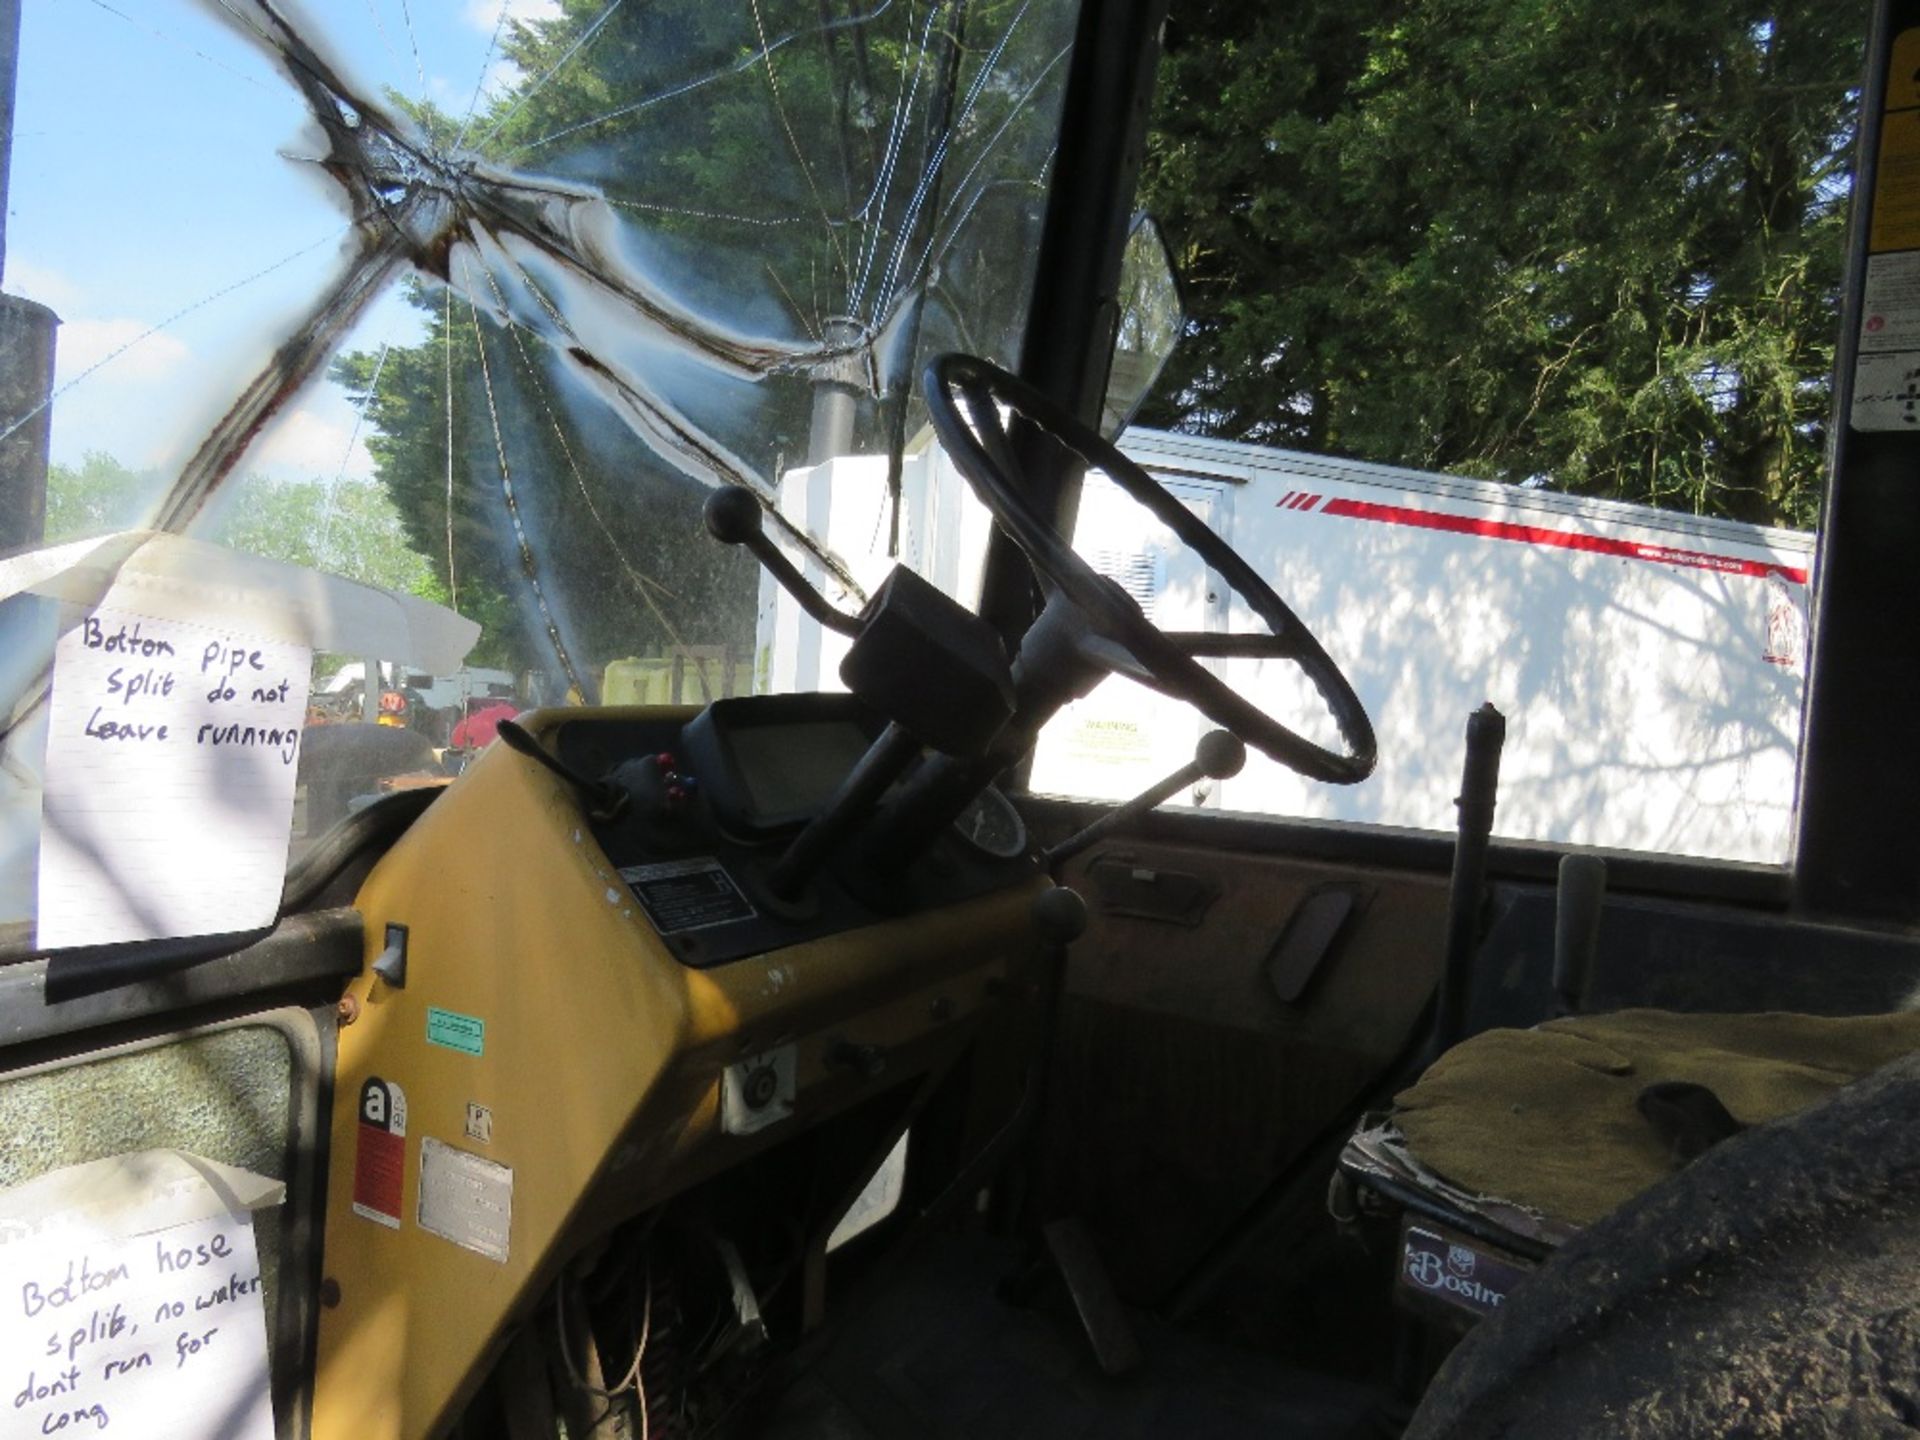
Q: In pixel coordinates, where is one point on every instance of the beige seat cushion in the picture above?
(1546, 1118)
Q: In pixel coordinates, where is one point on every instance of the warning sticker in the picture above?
(380, 1153)
(687, 895)
(1896, 198)
(1890, 307)
(1886, 391)
(1903, 73)
(465, 1198)
(1109, 741)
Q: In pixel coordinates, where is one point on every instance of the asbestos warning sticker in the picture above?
(380, 1153)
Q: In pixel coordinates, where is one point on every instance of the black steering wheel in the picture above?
(1122, 638)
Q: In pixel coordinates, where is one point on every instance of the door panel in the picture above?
(246, 1092)
(1183, 1082)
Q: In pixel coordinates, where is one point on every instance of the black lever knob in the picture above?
(1218, 756)
(732, 514)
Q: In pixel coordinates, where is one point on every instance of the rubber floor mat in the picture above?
(939, 1356)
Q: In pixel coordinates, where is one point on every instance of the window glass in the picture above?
(1509, 330)
(476, 302)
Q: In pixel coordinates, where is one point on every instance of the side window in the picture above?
(1526, 384)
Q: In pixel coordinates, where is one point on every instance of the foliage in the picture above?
(762, 188)
(95, 496)
(1561, 241)
(622, 534)
(351, 529)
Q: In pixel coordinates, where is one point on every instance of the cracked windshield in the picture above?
(364, 369)
(471, 303)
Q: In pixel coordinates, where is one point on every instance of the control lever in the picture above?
(605, 801)
(1479, 786)
(732, 514)
(1218, 756)
(1576, 928)
(883, 764)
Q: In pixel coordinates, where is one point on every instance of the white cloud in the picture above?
(132, 352)
(304, 444)
(485, 14)
(42, 283)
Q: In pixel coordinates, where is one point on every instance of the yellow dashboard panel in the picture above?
(550, 1066)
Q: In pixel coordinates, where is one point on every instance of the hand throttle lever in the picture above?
(1218, 756)
(605, 801)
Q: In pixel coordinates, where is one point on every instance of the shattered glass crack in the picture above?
(477, 301)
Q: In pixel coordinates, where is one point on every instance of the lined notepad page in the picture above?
(171, 754)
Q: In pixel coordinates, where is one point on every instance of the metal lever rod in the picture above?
(1479, 781)
(1218, 756)
(732, 515)
(606, 801)
(851, 803)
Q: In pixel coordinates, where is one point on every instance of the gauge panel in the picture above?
(716, 798)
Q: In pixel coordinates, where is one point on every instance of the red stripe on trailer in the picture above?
(1565, 540)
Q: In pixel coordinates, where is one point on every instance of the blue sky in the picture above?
(156, 165)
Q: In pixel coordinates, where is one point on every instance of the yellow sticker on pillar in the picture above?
(1896, 197)
(1903, 71)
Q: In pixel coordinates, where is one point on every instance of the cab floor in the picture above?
(938, 1354)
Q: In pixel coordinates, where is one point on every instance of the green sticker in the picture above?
(465, 1033)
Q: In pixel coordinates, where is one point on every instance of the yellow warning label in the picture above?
(1896, 198)
(1903, 73)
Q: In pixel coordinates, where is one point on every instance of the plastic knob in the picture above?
(1220, 755)
(732, 514)
(1060, 915)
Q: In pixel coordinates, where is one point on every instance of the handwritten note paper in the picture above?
(161, 1335)
(171, 751)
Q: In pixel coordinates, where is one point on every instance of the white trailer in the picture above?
(1650, 664)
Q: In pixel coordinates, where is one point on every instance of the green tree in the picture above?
(768, 207)
(572, 510)
(95, 496)
(1567, 241)
(350, 528)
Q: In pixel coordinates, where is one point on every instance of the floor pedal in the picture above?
(1101, 1314)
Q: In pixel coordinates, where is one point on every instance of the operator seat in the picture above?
(1576, 1116)
(1516, 1141)
(1772, 1287)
